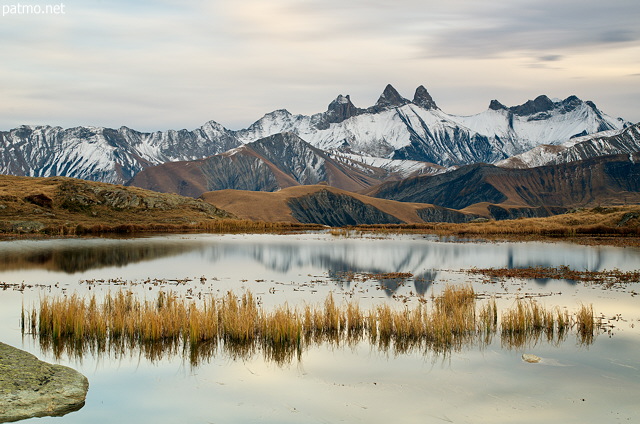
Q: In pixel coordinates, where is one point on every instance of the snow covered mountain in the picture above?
(610, 142)
(395, 130)
(417, 129)
(103, 154)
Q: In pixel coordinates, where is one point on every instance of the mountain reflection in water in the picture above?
(74, 256)
(253, 257)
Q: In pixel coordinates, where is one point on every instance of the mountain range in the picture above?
(395, 128)
(578, 148)
(273, 163)
(397, 161)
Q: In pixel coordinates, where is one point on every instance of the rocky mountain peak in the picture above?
(389, 98)
(423, 99)
(496, 105)
(341, 109)
(531, 107)
(570, 103)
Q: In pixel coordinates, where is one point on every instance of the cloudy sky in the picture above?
(155, 65)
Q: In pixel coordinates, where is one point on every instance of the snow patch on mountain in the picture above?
(404, 168)
(610, 142)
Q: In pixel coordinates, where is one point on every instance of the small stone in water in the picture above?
(533, 359)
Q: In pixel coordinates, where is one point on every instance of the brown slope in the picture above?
(535, 192)
(243, 168)
(610, 180)
(320, 201)
(30, 204)
(269, 164)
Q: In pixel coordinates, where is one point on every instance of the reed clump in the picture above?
(240, 327)
(527, 321)
(586, 324)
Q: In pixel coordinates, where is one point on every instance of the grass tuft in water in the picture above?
(240, 327)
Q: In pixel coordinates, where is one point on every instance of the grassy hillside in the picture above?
(65, 206)
(322, 204)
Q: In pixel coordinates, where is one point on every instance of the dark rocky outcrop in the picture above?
(531, 107)
(40, 199)
(389, 98)
(341, 109)
(456, 190)
(500, 213)
(437, 214)
(32, 388)
(496, 105)
(423, 99)
(334, 209)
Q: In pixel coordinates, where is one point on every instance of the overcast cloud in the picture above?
(154, 65)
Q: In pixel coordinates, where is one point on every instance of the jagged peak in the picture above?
(390, 98)
(338, 110)
(496, 105)
(539, 104)
(270, 116)
(279, 112)
(571, 99)
(423, 99)
(341, 100)
(213, 125)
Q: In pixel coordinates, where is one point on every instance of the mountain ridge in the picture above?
(609, 180)
(610, 142)
(269, 164)
(325, 205)
(393, 128)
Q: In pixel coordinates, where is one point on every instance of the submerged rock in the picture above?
(33, 388)
(533, 359)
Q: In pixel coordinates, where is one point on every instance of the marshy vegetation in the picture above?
(616, 225)
(606, 278)
(239, 327)
(217, 226)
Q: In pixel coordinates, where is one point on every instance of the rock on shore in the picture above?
(32, 388)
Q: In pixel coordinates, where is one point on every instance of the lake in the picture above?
(348, 382)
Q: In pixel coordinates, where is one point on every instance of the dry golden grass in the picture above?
(236, 323)
(586, 324)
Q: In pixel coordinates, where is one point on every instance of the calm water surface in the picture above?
(356, 383)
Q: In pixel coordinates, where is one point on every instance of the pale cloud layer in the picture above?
(154, 65)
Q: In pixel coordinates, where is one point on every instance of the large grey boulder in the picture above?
(32, 388)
